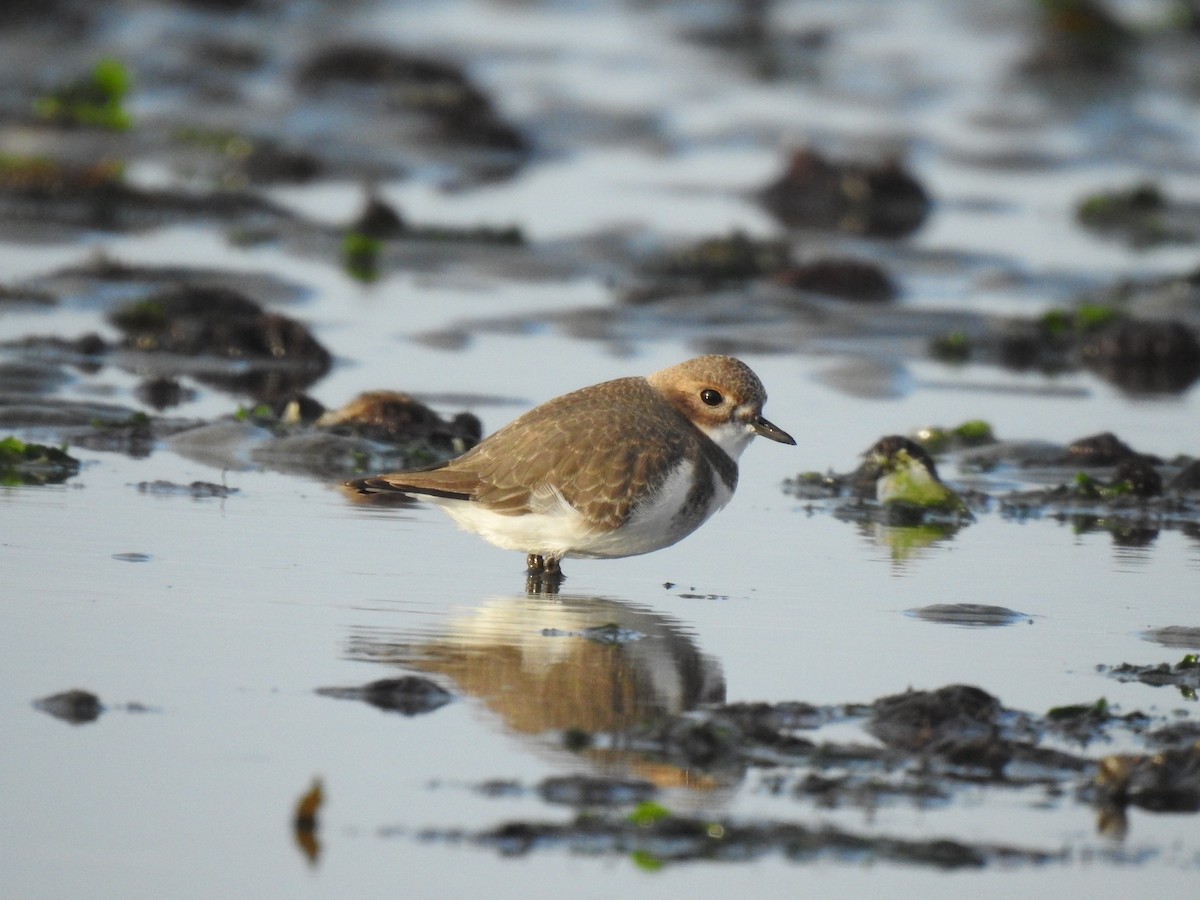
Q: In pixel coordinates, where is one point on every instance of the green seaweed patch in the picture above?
(1088, 487)
(360, 256)
(1111, 208)
(1084, 319)
(648, 814)
(971, 433)
(1095, 711)
(94, 101)
(646, 861)
(923, 493)
(952, 347)
(974, 432)
(909, 484)
(1141, 215)
(262, 414)
(32, 464)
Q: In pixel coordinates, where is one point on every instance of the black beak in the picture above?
(763, 428)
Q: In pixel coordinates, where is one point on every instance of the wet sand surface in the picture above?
(953, 235)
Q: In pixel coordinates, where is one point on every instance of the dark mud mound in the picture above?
(677, 839)
(193, 321)
(1141, 355)
(1098, 482)
(197, 490)
(47, 200)
(1142, 216)
(1144, 357)
(409, 696)
(398, 83)
(727, 261)
(936, 748)
(976, 615)
(397, 418)
(75, 706)
(24, 463)
(1184, 674)
(1167, 781)
(882, 200)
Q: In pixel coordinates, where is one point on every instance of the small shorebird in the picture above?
(615, 469)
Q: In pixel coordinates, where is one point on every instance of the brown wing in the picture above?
(436, 481)
(599, 447)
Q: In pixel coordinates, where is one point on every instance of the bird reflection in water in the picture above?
(570, 673)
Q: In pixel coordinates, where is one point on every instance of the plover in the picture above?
(616, 469)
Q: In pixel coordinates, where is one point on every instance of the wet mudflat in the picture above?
(301, 247)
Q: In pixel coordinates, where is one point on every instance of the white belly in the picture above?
(555, 528)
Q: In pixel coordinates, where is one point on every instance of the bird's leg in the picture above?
(542, 574)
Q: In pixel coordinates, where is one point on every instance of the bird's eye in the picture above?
(711, 397)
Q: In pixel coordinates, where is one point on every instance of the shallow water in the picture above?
(207, 654)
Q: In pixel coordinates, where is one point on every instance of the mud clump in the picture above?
(937, 745)
(162, 393)
(135, 436)
(379, 219)
(1104, 449)
(673, 839)
(1086, 722)
(728, 261)
(39, 194)
(882, 200)
(75, 706)
(968, 614)
(23, 463)
(956, 723)
(1138, 475)
(196, 321)
(1134, 474)
(1142, 216)
(1133, 504)
(271, 163)
(1175, 636)
(1144, 356)
(1187, 479)
(462, 112)
(718, 261)
(1178, 734)
(409, 695)
(846, 279)
(1184, 674)
(587, 791)
(1077, 39)
(1138, 355)
(197, 490)
(394, 417)
(1167, 781)
(1099, 483)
